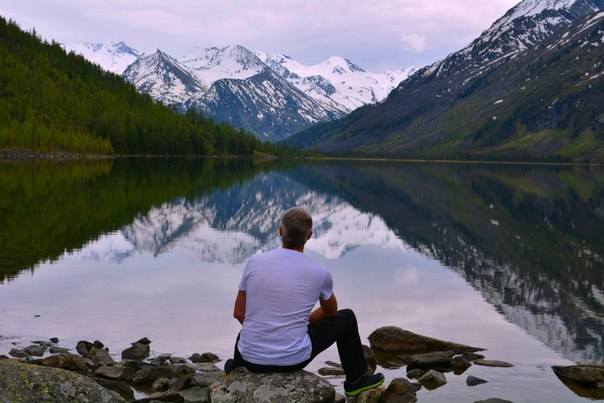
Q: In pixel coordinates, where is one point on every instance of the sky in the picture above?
(375, 34)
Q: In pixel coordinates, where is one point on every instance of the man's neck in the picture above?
(301, 249)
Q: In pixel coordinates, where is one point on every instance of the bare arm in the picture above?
(328, 309)
(239, 310)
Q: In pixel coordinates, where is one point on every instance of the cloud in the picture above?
(366, 31)
(414, 42)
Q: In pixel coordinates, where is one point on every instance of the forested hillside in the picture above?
(51, 100)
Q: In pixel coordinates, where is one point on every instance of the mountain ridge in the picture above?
(500, 97)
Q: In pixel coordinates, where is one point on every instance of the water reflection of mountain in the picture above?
(529, 239)
(228, 226)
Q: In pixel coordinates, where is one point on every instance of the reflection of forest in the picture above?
(530, 239)
(49, 208)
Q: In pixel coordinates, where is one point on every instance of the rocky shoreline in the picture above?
(46, 371)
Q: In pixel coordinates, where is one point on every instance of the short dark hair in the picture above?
(297, 226)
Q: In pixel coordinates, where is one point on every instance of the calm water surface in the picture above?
(507, 258)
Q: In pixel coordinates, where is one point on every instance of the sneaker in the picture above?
(231, 365)
(367, 382)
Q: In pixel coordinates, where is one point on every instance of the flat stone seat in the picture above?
(242, 386)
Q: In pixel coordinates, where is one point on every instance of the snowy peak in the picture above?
(112, 56)
(162, 77)
(212, 64)
(336, 81)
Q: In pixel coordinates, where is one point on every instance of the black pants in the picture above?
(342, 330)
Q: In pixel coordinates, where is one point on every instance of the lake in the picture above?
(506, 257)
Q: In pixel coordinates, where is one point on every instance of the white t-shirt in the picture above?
(282, 286)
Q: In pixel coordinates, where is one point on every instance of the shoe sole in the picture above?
(364, 389)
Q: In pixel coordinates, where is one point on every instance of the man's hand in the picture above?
(328, 309)
(239, 310)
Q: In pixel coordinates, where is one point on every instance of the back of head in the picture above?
(296, 225)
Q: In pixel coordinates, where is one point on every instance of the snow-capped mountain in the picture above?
(212, 64)
(112, 56)
(508, 94)
(272, 96)
(162, 77)
(336, 81)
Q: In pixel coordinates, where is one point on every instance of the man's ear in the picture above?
(309, 235)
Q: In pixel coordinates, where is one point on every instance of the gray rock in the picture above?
(340, 398)
(42, 343)
(493, 363)
(473, 381)
(585, 374)
(151, 374)
(178, 360)
(400, 391)
(138, 351)
(101, 356)
(35, 350)
(205, 357)
(160, 385)
(119, 387)
(460, 364)
(36, 384)
(432, 380)
(182, 369)
(370, 396)
(333, 364)
(415, 373)
(331, 371)
(3, 357)
(207, 367)
(196, 394)
(54, 340)
(18, 353)
(83, 347)
(436, 360)
(473, 356)
(242, 386)
(117, 372)
(396, 340)
(206, 379)
(70, 362)
(58, 350)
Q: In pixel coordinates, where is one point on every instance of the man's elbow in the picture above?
(238, 316)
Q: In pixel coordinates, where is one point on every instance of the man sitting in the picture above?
(277, 293)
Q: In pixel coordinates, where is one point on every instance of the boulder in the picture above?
(204, 357)
(333, 364)
(70, 362)
(58, 350)
(18, 353)
(473, 356)
(340, 398)
(473, 381)
(196, 394)
(160, 385)
(119, 387)
(331, 371)
(459, 364)
(432, 380)
(151, 374)
(21, 382)
(415, 373)
(36, 350)
(138, 351)
(370, 396)
(493, 363)
(100, 356)
(178, 360)
(400, 391)
(242, 386)
(117, 372)
(586, 374)
(206, 379)
(435, 360)
(393, 339)
(54, 340)
(83, 347)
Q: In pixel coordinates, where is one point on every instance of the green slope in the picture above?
(51, 100)
(545, 104)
